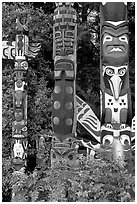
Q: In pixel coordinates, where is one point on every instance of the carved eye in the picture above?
(121, 72)
(54, 156)
(69, 34)
(19, 113)
(123, 38)
(107, 38)
(19, 83)
(16, 65)
(108, 140)
(109, 72)
(24, 65)
(24, 129)
(20, 146)
(125, 140)
(70, 157)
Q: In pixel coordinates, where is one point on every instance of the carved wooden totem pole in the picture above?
(64, 98)
(114, 75)
(19, 129)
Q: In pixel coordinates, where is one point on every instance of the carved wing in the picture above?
(87, 118)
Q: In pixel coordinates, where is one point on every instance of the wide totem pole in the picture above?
(64, 97)
(114, 80)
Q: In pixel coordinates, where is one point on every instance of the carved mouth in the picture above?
(126, 150)
(116, 49)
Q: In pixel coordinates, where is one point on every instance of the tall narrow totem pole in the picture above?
(64, 98)
(19, 129)
(114, 75)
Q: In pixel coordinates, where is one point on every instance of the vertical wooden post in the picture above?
(114, 80)
(64, 98)
(19, 51)
(19, 129)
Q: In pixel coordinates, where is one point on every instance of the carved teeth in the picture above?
(117, 49)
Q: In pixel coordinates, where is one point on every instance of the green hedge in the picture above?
(100, 180)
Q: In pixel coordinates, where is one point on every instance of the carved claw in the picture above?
(122, 126)
(109, 126)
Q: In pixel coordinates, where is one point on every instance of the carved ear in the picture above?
(21, 27)
(18, 24)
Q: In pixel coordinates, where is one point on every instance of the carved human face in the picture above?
(19, 153)
(117, 141)
(18, 149)
(19, 98)
(115, 48)
(18, 115)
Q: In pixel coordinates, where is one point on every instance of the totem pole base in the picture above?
(63, 152)
(60, 157)
(16, 176)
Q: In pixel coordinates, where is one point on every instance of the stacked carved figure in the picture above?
(19, 128)
(64, 98)
(114, 80)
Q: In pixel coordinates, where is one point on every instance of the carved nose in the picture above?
(115, 41)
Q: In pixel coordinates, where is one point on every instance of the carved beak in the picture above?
(115, 84)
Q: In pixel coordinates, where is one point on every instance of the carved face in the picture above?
(19, 129)
(115, 48)
(19, 153)
(20, 80)
(116, 110)
(18, 115)
(19, 98)
(20, 37)
(114, 78)
(117, 141)
(58, 156)
(21, 64)
(64, 150)
(64, 31)
(69, 142)
(18, 149)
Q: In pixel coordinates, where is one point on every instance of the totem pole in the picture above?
(64, 97)
(19, 128)
(20, 51)
(114, 80)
